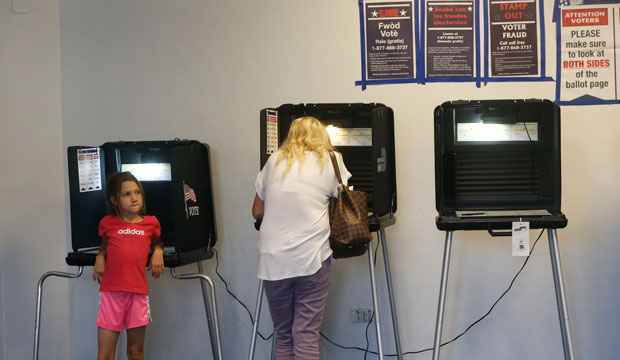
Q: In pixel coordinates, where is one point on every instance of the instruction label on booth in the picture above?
(350, 136)
(89, 169)
(272, 131)
(520, 238)
(497, 132)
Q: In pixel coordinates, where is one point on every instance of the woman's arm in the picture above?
(258, 208)
(100, 260)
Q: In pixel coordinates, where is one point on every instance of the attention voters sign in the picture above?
(587, 43)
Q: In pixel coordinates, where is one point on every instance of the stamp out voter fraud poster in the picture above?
(514, 37)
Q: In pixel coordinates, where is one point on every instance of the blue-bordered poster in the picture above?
(588, 35)
(450, 40)
(514, 41)
(388, 42)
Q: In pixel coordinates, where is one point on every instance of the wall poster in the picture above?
(389, 40)
(587, 50)
(450, 43)
(513, 46)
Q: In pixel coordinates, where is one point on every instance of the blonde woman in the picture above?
(294, 257)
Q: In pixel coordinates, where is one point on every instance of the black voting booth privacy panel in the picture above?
(363, 133)
(493, 156)
(176, 177)
(498, 162)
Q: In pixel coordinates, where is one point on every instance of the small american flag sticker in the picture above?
(190, 194)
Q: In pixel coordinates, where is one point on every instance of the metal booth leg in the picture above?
(375, 301)
(388, 275)
(257, 311)
(560, 295)
(210, 307)
(259, 303)
(37, 319)
(442, 294)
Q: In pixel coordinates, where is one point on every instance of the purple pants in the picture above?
(296, 307)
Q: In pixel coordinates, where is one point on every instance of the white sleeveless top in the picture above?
(293, 237)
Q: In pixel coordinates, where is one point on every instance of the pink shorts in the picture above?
(119, 310)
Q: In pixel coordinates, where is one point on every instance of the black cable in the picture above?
(217, 263)
(341, 346)
(366, 350)
(504, 293)
(527, 132)
(480, 319)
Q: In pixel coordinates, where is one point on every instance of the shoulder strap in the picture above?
(335, 164)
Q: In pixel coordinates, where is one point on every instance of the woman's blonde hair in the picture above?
(306, 134)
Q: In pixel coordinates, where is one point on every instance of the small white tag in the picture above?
(520, 238)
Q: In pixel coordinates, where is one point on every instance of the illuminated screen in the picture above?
(149, 172)
(497, 132)
(349, 136)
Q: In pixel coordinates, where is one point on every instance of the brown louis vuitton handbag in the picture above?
(348, 219)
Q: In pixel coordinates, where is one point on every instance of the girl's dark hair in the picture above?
(113, 189)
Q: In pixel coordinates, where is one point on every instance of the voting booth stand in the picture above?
(364, 134)
(176, 178)
(497, 165)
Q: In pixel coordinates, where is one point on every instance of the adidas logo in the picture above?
(130, 231)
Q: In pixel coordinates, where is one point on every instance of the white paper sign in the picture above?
(350, 136)
(89, 170)
(497, 132)
(272, 131)
(588, 53)
(149, 172)
(520, 238)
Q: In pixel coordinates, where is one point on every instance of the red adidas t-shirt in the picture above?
(127, 253)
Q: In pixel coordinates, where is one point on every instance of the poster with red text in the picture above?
(450, 40)
(389, 40)
(514, 30)
(588, 42)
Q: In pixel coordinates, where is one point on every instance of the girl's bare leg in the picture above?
(135, 343)
(107, 340)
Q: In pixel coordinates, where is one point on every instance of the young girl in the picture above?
(126, 236)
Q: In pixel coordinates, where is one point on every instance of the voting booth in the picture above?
(178, 189)
(364, 134)
(176, 177)
(497, 161)
(498, 167)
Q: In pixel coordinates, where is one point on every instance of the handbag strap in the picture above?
(336, 169)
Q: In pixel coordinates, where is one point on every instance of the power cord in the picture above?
(366, 350)
(475, 322)
(217, 263)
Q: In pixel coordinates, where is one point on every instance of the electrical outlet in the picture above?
(359, 314)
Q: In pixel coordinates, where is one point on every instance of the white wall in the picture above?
(139, 70)
(32, 216)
